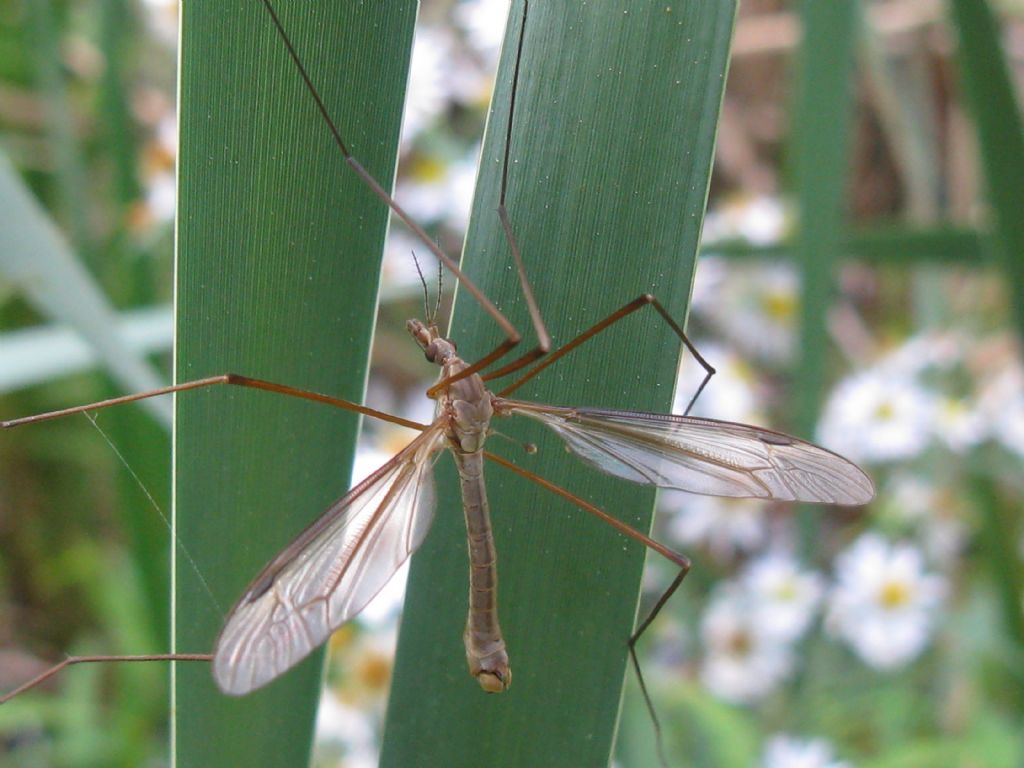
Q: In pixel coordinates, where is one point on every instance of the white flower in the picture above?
(429, 74)
(940, 359)
(162, 18)
(399, 279)
(1009, 429)
(933, 510)
(784, 598)
(346, 729)
(936, 352)
(484, 22)
(434, 190)
(161, 196)
(758, 219)
(783, 751)
(959, 423)
(884, 605)
(724, 526)
(873, 417)
(729, 394)
(368, 659)
(158, 164)
(712, 272)
(911, 495)
(1003, 402)
(461, 184)
(741, 663)
(756, 308)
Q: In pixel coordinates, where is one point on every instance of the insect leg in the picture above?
(624, 311)
(512, 336)
(56, 668)
(225, 378)
(543, 338)
(677, 559)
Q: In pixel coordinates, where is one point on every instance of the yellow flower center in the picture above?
(885, 411)
(894, 594)
(427, 169)
(786, 592)
(780, 307)
(374, 671)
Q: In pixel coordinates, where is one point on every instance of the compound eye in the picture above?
(430, 352)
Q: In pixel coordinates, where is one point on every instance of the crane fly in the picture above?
(328, 574)
(332, 570)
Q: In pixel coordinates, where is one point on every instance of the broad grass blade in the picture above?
(615, 128)
(279, 251)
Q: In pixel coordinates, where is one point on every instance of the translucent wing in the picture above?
(715, 458)
(330, 572)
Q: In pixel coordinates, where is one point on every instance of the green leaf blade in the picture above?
(279, 253)
(613, 136)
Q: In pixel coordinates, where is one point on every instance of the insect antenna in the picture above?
(427, 316)
(440, 288)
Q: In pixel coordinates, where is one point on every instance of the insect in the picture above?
(637, 446)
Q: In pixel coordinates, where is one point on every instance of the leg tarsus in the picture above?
(631, 644)
(659, 740)
(684, 568)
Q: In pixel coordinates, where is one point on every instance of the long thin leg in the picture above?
(543, 345)
(229, 379)
(226, 378)
(56, 668)
(512, 336)
(677, 559)
(631, 643)
(625, 311)
(543, 338)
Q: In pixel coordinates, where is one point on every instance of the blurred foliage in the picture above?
(86, 92)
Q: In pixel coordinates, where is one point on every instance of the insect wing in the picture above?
(706, 456)
(330, 572)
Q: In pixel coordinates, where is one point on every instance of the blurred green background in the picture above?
(859, 282)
